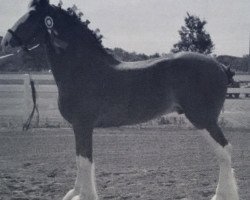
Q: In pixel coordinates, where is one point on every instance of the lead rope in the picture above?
(58, 44)
(35, 108)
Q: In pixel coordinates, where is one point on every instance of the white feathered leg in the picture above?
(76, 190)
(86, 178)
(227, 187)
(85, 187)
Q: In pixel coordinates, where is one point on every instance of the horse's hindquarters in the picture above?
(201, 91)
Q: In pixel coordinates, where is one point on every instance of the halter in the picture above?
(48, 23)
(19, 41)
(16, 37)
(49, 26)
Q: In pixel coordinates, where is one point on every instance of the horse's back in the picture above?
(140, 65)
(179, 61)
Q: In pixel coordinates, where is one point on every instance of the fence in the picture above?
(238, 92)
(16, 100)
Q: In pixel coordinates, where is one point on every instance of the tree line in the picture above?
(193, 37)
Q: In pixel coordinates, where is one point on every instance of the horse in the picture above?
(97, 90)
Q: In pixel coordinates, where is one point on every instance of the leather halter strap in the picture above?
(16, 37)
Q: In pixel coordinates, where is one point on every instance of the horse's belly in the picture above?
(112, 116)
(119, 115)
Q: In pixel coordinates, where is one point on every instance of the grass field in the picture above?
(236, 114)
(131, 163)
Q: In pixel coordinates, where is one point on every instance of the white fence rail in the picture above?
(16, 100)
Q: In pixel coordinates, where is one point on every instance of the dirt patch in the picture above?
(131, 163)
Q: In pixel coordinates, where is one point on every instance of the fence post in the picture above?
(26, 97)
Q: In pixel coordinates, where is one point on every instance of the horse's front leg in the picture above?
(85, 187)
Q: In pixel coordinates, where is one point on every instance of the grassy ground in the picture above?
(236, 114)
(131, 163)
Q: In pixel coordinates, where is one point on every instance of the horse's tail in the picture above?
(230, 74)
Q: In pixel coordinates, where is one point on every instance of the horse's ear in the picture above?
(39, 3)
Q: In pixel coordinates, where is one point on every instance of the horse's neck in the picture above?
(76, 62)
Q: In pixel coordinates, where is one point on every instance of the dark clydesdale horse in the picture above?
(96, 90)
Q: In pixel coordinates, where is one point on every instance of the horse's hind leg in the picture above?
(227, 188)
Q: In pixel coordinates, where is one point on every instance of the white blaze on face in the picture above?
(8, 36)
(5, 41)
(22, 19)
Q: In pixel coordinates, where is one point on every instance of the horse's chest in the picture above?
(77, 105)
(66, 106)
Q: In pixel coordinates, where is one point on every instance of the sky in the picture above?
(150, 26)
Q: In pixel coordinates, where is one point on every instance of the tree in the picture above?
(123, 55)
(245, 63)
(194, 37)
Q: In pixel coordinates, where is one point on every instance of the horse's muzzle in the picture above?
(9, 41)
(6, 42)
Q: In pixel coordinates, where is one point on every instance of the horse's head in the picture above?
(60, 30)
(31, 28)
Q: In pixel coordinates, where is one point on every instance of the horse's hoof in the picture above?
(214, 197)
(76, 198)
(71, 194)
(219, 197)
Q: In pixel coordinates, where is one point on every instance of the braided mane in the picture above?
(76, 16)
